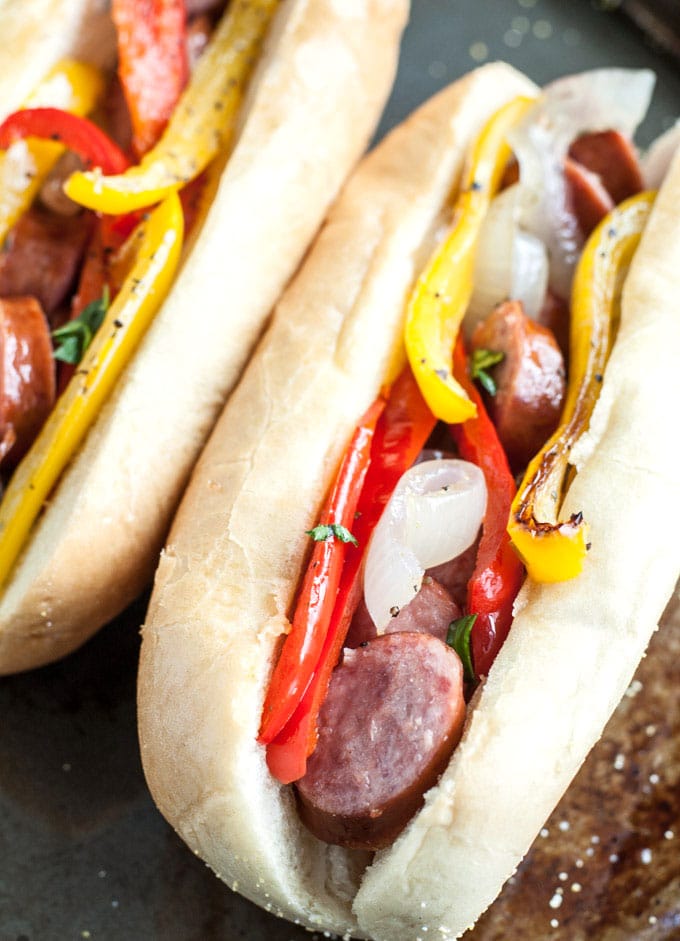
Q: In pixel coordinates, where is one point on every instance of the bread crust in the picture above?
(36, 34)
(312, 105)
(574, 646)
(227, 578)
(228, 575)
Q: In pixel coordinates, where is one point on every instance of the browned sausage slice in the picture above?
(42, 255)
(393, 715)
(611, 155)
(590, 200)
(530, 380)
(455, 575)
(430, 612)
(554, 314)
(27, 375)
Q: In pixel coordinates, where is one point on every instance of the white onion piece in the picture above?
(17, 166)
(493, 258)
(509, 263)
(597, 100)
(657, 160)
(529, 272)
(433, 515)
(591, 101)
(545, 211)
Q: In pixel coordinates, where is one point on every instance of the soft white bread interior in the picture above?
(312, 106)
(35, 34)
(573, 647)
(228, 576)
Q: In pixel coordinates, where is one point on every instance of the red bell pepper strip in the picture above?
(152, 63)
(402, 430)
(498, 571)
(81, 136)
(302, 647)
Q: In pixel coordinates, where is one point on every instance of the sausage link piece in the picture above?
(394, 713)
(601, 170)
(555, 315)
(430, 612)
(530, 380)
(42, 256)
(27, 375)
(455, 575)
(590, 200)
(612, 157)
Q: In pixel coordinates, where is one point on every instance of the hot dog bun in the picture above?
(229, 573)
(227, 578)
(574, 646)
(311, 107)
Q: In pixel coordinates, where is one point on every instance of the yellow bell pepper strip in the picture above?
(201, 125)
(71, 86)
(442, 293)
(158, 242)
(554, 550)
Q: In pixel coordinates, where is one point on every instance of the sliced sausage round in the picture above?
(455, 575)
(590, 200)
(555, 315)
(530, 380)
(430, 612)
(394, 713)
(27, 375)
(42, 256)
(612, 156)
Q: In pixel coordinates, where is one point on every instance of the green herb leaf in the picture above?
(458, 637)
(481, 361)
(74, 337)
(324, 532)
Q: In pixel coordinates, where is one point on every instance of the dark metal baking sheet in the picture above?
(83, 852)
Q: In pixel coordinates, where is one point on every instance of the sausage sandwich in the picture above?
(168, 200)
(372, 663)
